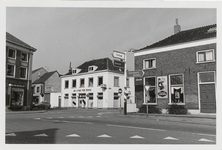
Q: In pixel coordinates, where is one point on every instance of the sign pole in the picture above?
(125, 86)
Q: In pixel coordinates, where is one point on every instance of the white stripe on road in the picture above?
(135, 127)
(204, 134)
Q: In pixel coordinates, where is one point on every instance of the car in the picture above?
(42, 105)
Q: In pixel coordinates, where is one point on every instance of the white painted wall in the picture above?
(54, 99)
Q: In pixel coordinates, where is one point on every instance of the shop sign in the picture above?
(138, 73)
(162, 88)
(82, 90)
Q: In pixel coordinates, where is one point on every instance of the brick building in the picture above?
(180, 69)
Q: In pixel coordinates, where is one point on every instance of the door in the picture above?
(59, 101)
(207, 98)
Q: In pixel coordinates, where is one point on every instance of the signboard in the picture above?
(118, 63)
(118, 55)
(138, 73)
(162, 90)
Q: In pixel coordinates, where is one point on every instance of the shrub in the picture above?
(177, 109)
(151, 109)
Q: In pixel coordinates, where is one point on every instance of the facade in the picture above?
(179, 70)
(95, 84)
(47, 88)
(19, 56)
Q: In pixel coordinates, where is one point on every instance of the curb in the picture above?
(24, 112)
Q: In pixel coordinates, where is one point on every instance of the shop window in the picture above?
(82, 82)
(100, 96)
(205, 56)
(100, 81)
(206, 77)
(150, 90)
(74, 83)
(23, 72)
(74, 98)
(11, 53)
(149, 63)
(90, 82)
(176, 89)
(66, 96)
(66, 84)
(17, 98)
(10, 70)
(24, 57)
(116, 96)
(90, 96)
(116, 81)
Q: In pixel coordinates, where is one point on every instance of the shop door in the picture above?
(207, 98)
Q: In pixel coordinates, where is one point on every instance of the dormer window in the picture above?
(75, 71)
(92, 68)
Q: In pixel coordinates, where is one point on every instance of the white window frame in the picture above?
(179, 85)
(98, 80)
(13, 50)
(81, 82)
(26, 57)
(205, 61)
(65, 84)
(144, 63)
(144, 96)
(25, 73)
(114, 81)
(198, 75)
(13, 71)
(92, 81)
(91, 68)
(72, 83)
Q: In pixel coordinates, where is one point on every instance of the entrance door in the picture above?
(207, 98)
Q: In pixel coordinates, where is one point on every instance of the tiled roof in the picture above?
(33, 71)
(15, 40)
(186, 36)
(44, 77)
(102, 64)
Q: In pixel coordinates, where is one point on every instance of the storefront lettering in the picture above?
(79, 90)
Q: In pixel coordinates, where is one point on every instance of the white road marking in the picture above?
(48, 117)
(170, 138)
(136, 137)
(71, 117)
(60, 117)
(136, 127)
(73, 135)
(205, 134)
(10, 134)
(43, 134)
(104, 135)
(37, 118)
(205, 140)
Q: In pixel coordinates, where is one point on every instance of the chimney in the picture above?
(177, 27)
(70, 67)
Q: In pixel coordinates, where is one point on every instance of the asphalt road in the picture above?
(82, 126)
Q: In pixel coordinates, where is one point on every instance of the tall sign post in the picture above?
(120, 94)
(147, 97)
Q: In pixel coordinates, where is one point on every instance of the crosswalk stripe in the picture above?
(104, 135)
(205, 140)
(136, 137)
(10, 134)
(170, 138)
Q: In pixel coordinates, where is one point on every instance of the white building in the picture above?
(95, 84)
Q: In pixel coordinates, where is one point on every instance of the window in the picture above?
(149, 63)
(90, 96)
(23, 72)
(90, 82)
(100, 81)
(66, 84)
(66, 96)
(74, 83)
(11, 70)
(74, 98)
(116, 96)
(205, 56)
(176, 89)
(100, 96)
(90, 68)
(206, 77)
(24, 56)
(74, 71)
(11, 53)
(150, 90)
(116, 81)
(127, 82)
(82, 82)
(38, 89)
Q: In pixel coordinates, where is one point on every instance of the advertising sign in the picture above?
(118, 63)
(138, 73)
(162, 88)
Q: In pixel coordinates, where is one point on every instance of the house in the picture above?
(19, 57)
(37, 73)
(179, 70)
(95, 84)
(47, 88)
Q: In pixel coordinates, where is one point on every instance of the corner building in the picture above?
(180, 69)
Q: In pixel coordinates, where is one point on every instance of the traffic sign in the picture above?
(118, 55)
(138, 73)
(118, 63)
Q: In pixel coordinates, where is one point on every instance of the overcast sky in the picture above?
(76, 35)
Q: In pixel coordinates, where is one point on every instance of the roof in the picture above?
(44, 77)
(13, 39)
(33, 71)
(102, 64)
(186, 36)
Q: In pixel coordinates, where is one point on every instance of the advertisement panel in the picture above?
(162, 88)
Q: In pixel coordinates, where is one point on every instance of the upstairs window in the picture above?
(23, 72)
(11, 53)
(73, 83)
(100, 81)
(82, 82)
(10, 70)
(90, 68)
(90, 82)
(116, 81)
(24, 57)
(205, 56)
(66, 84)
(149, 63)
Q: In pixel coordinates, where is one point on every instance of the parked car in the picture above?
(42, 105)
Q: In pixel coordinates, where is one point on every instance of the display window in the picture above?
(177, 89)
(150, 90)
(17, 97)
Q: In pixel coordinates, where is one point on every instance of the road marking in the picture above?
(48, 117)
(37, 118)
(43, 134)
(81, 122)
(204, 134)
(205, 140)
(10, 134)
(73, 135)
(60, 117)
(170, 138)
(105, 136)
(81, 117)
(71, 117)
(136, 137)
(136, 127)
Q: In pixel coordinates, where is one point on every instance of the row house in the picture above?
(19, 57)
(95, 84)
(179, 70)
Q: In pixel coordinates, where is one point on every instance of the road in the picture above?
(98, 126)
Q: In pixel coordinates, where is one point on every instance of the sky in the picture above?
(78, 34)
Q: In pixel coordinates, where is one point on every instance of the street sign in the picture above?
(138, 73)
(118, 55)
(120, 91)
(118, 63)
